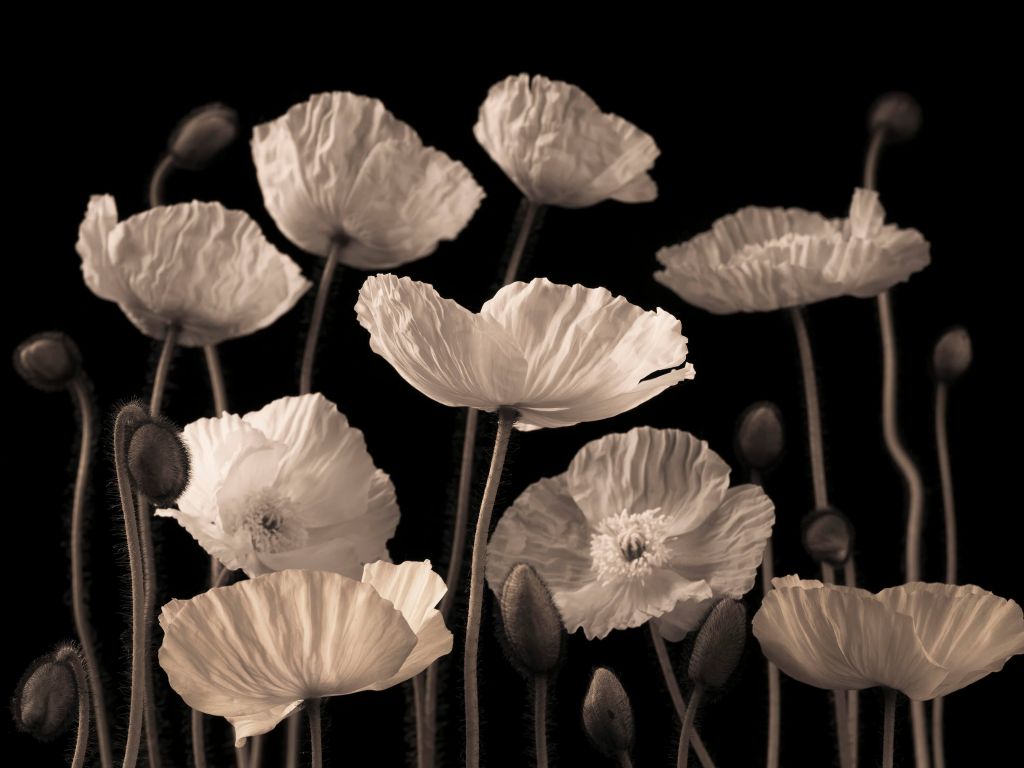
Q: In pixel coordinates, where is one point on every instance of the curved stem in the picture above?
(814, 441)
(198, 740)
(540, 719)
(683, 755)
(478, 564)
(80, 394)
(889, 729)
(158, 179)
(871, 160)
(675, 694)
(315, 741)
(525, 229)
(70, 656)
(319, 306)
(220, 397)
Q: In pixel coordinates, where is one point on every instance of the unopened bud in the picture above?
(532, 623)
(45, 702)
(953, 355)
(158, 461)
(719, 644)
(759, 436)
(48, 361)
(898, 114)
(827, 536)
(201, 135)
(607, 714)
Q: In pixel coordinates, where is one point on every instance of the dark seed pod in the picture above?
(158, 461)
(759, 436)
(953, 355)
(719, 645)
(532, 623)
(607, 714)
(45, 703)
(202, 135)
(48, 361)
(827, 536)
(898, 114)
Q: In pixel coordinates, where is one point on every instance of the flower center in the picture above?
(629, 546)
(268, 518)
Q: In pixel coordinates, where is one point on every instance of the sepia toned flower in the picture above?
(340, 172)
(925, 640)
(559, 148)
(198, 266)
(254, 651)
(761, 259)
(557, 354)
(289, 486)
(643, 525)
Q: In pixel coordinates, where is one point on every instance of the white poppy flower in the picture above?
(760, 259)
(642, 526)
(925, 640)
(198, 266)
(339, 171)
(254, 651)
(559, 148)
(288, 486)
(557, 354)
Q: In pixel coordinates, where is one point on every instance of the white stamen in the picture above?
(629, 546)
(269, 520)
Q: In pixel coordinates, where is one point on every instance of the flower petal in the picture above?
(100, 275)
(683, 619)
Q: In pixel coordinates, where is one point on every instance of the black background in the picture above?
(783, 133)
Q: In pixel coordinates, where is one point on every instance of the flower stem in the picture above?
(683, 756)
(315, 742)
(774, 694)
(852, 697)
(675, 694)
(198, 740)
(814, 441)
(478, 564)
(522, 238)
(256, 751)
(540, 720)
(71, 656)
(291, 749)
(80, 393)
(220, 397)
(418, 684)
(946, 478)
(839, 698)
(624, 761)
(157, 180)
(889, 729)
(322, 291)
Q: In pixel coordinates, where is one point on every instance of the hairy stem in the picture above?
(675, 694)
(540, 719)
(683, 755)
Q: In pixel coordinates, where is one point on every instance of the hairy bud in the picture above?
(607, 714)
(759, 436)
(898, 114)
(719, 645)
(45, 703)
(827, 536)
(532, 623)
(201, 135)
(158, 461)
(48, 361)
(953, 355)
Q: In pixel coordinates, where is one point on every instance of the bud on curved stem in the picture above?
(760, 438)
(48, 361)
(827, 536)
(202, 135)
(719, 645)
(532, 623)
(897, 114)
(953, 355)
(158, 461)
(608, 715)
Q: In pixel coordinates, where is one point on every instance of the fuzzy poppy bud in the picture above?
(201, 135)
(827, 536)
(48, 361)
(45, 702)
(898, 114)
(953, 355)
(719, 644)
(532, 623)
(158, 461)
(759, 436)
(607, 714)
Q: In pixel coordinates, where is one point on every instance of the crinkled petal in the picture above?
(866, 214)
(99, 273)
(439, 347)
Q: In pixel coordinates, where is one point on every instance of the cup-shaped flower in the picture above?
(254, 651)
(925, 640)
(642, 526)
(760, 259)
(559, 148)
(341, 172)
(289, 486)
(201, 267)
(557, 354)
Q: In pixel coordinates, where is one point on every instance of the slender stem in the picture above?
(938, 742)
(461, 511)
(540, 719)
(871, 160)
(198, 740)
(71, 656)
(242, 756)
(889, 729)
(256, 751)
(946, 478)
(315, 742)
(291, 749)
(514, 260)
(852, 697)
(478, 564)
(220, 396)
(624, 761)
(683, 756)
(163, 368)
(322, 291)
(814, 441)
(919, 727)
(675, 694)
(80, 394)
(839, 701)
(418, 684)
(157, 180)
(774, 693)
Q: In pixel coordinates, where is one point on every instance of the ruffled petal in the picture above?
(683, 619)
(866, 214)
(93, 233)
(642, 189)
(598, 362)
(648, 468)
(439, 347)
(260, 722)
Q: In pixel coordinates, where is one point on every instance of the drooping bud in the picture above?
(953, 355)
(827, 536)
(607, 714)
(532, 623)
(201, 135)
(48, 361)
(759, 436)
(719, 645)
(898, 114)
(45, 703)
(158, 461)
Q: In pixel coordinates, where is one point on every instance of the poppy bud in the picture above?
(201, 135)
(719, 644)
(759, 436)
(952, 355)
(607, 714)
(45, 702)
(532, 623)
(898, 114)
(827, 536)
(158, 461)
(48, 361)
